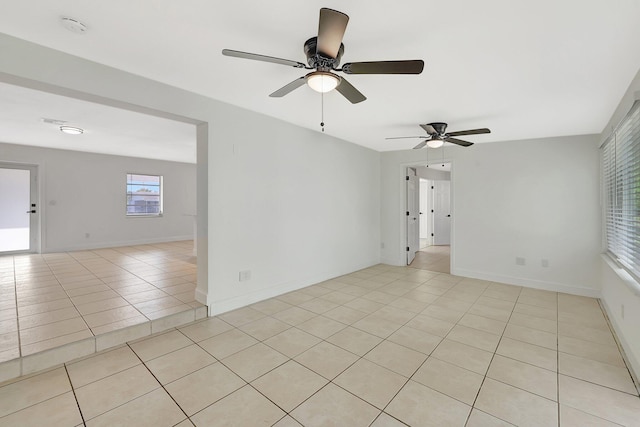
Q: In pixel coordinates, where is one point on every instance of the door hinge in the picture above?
(431, 210)
(407, 213)
(432, 187)
(407, 177)
(407, 248)
(431, 234)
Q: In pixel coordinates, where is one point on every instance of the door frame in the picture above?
(35, 220)
(437, 186)
(402, 218)
(413, 244)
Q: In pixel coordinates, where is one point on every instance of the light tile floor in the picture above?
(53, 299)
(433, 258)
(384, 346)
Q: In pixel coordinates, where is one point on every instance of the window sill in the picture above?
(627, 278)
(144, 216)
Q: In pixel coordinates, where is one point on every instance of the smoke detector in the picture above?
(73, 25)
(53, 121)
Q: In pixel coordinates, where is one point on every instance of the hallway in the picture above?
(433, 258)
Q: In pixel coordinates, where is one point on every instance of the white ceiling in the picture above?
(107, 130)
(525, 69)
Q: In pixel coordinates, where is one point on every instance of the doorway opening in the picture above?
(429, 241)
(165, 276)
(19, 225)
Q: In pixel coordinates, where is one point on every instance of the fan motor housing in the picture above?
(316, 60)
(440, 127)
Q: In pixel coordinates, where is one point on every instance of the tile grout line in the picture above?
(473, 405)
(634, 379)
(558, 354)
(156, 378)
(15, 290)
(73, 390)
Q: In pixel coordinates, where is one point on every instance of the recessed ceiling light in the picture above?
(73, 25)
(71, 130)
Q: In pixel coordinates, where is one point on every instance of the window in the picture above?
(144, 195)
(621, 179)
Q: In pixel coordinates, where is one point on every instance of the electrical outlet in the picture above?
(87, 235)
(244, 275)
(382, 245)
(520, 261)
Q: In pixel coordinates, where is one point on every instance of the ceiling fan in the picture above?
(323, 55)
(437, 136)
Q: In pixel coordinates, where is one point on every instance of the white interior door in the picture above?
(425, 229)
(18, 221)
(413, 238)
(441, 213)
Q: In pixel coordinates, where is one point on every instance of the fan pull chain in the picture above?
(322, 110)
(443, 154)
(427, 156)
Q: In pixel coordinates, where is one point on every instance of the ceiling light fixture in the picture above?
(71, 130)
(322, 81)
(435, 142)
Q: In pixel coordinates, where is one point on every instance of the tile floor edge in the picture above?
(58, 356)
(625, 358)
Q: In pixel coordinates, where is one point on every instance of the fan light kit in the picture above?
(323, 55)
(435, 143)
(71, 130)
(437, 135)
(322, 82)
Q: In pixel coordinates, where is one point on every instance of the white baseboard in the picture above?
(222, 306)
(115, 244)
(629, 357)
(529, 283)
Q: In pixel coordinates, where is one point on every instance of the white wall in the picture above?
(534, 199)
(616, 288)
(291, 205)
(84, 193)
(433, 174)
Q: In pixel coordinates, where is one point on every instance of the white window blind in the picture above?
(144, 195)
(621, 176)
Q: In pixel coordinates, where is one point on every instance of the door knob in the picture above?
(32, 211)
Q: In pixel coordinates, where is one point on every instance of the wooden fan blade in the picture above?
(429, 129)
(459, 142)
(384, 67)
(288, 88)
(263, 58)
(469, 132)
(331, 30)
(421, 145)
(348, 91)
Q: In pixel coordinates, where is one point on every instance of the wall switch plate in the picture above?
(520, 261)
(545, 263)
(244, 275)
